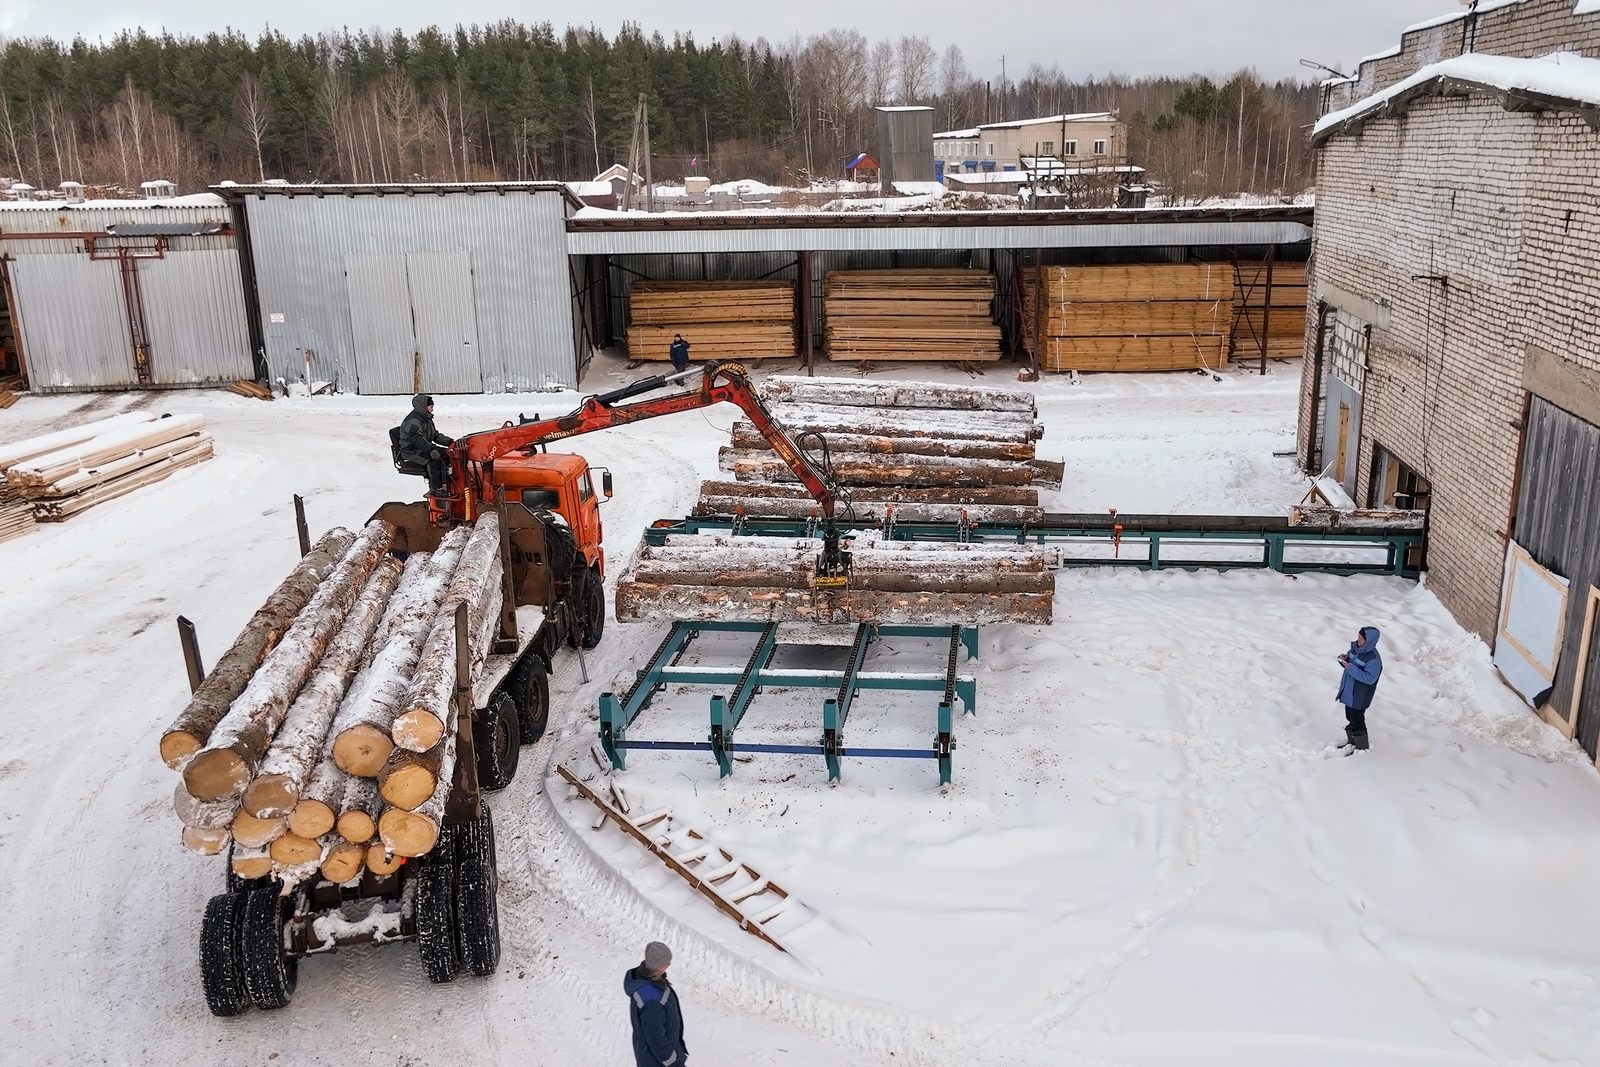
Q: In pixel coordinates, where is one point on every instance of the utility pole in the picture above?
(649, 176)
(633, 158)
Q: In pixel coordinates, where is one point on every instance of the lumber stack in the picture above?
(910, 451)
(911, 314)
(1284, 330)
(1134, 317)
(323, 741)
(720, 320)
(68, 471)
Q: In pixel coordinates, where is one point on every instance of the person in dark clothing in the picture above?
(679, 352)
(1362, 667)
(654, 1011)
(422, 443)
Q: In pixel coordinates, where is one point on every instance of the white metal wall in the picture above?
(70, 313)
(194, 316)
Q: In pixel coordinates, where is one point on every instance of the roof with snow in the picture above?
(1562, 81)
(912, 107)
(1017, 124)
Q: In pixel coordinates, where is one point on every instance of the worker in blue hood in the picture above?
(1362, 668)
(654, 1010)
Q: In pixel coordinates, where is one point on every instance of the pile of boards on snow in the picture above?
(720, 320)
(324, 740)
(1129, 317)
(912, 314)
(59, 474)
(900, 451)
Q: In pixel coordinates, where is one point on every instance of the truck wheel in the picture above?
(477, 883)
(593, 623)
(435, 911)
(221, 970)
(497, 740)
(530, 690)
(268, 976)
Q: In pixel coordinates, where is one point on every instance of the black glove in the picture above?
(446, 441)
(435, 454)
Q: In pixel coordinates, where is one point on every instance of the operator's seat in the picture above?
(404, 466)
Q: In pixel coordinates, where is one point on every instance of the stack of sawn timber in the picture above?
(720, 320)
(325, 738)
(921, 452)
(62, 473)
(1133, 317)
(1285, 329)
(911, 314)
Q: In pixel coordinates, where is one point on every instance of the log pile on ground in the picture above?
(59, 474)
(720, 320)
(911, 314)
(1132, 317)
(284, 748)
(1284, 329)
(923, 452)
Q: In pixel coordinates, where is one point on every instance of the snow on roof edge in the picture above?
(1564, 75)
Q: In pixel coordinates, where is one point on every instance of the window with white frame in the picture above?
(1069, 148)
(1047, 148)
(989, 148)
(1100, 148)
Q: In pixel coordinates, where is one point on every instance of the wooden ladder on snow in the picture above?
(733, 886)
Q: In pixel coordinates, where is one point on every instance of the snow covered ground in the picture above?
(1146, 857)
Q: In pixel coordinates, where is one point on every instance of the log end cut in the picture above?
(417, 731)
(407, 833)
(292, 850)
(177, 746)
(381, 862)
(216, 774)
(362, 750)
(271, 795)
(206, 842)
(356, 827)
(256, 833)
(311, 818)
(343, 862)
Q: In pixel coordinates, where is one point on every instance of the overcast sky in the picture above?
(1083, 36)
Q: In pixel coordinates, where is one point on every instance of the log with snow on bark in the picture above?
(414, 833)
(994, 427)
(234, 751)
(232, 672)
(428, 711)
(360, 733)
(343, 862)
(206, 842)
(20, 452)
(318, 807)
(854, 392)
(359, 810)
(251, 862)
(769, 501)
(203, 814)
(855, 469)
(868, 441)
(637, 602)
(300, 740)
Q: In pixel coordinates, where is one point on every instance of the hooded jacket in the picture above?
(657, 1020)
(418, 435)
(1360, 678)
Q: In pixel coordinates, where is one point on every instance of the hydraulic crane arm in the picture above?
(719, 383)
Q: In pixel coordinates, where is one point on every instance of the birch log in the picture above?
(854, 468)
(251, 862)
(206, 842)
(203, 814)
(428, 710)
(193, 727)
(318, 807)
(300, 741)
(853, 392)
(862, 439)
(358, 814)
(343, 862)
(414, 833)
(360, 733)
(229, 760)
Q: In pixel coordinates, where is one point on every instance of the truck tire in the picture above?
(268, 976)
(593, 621)
(221, 969)
(530, 691)
(497, 739)
(477, 886)
(435, 911)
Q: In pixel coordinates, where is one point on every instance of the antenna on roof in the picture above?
(1314, 65)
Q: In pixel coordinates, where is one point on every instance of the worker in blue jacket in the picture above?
(655, 1012)
(1362, 667)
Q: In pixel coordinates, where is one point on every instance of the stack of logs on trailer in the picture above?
(900, 451)
(324, 739)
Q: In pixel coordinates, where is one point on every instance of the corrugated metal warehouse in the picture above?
(387, 289)
(111, 294)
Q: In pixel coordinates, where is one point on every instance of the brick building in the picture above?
(1454, 340)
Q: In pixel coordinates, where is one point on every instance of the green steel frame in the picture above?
(617, 714)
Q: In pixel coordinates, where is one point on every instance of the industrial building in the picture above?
(111, 294)
(1088, 139)
(1455, 336)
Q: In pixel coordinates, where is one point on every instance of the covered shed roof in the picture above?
(234, 193)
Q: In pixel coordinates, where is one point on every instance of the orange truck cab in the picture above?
(563, 485)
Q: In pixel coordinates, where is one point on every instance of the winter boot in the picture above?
(1349, 743)
(1358, 740)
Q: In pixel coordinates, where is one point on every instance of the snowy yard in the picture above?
(1147, 856)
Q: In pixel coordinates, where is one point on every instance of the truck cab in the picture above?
(564, 485)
